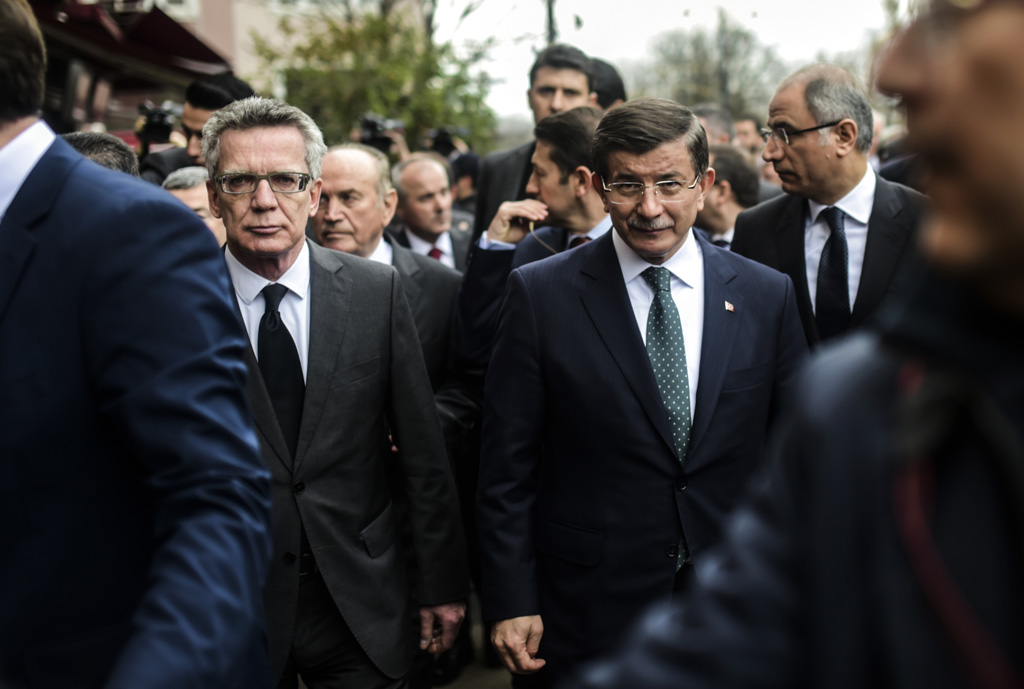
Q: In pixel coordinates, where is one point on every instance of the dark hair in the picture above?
(561, 56)
(22, 62)
(214, 92)
(466, 165)
(639, 126)
(607, 83)
(570, 135)
(733, 165)
(105, 149)
(717, 119)
(758, 123)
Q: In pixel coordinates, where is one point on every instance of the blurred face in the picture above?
(427, 206)
(265, 229)
(804, 165)
(193, 120)
(197, 199)
(747, 136)
(962, 84)
(655, 230)
(352, 216)
(546, 185)
(557, 90)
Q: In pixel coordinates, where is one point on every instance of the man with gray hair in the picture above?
(841, 233)
(188, 185)
(335, 365)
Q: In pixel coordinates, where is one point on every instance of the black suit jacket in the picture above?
(365, 376)
(582, 499)
(134, 508)
(772, 233)
(460, 234)
(503, 177)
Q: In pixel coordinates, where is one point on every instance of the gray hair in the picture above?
(833, 93)
(380, 162)
(420, 157)
(257, 113)
(186, 178)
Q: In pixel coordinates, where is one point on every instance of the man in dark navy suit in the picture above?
(627, 400)
(134, 504)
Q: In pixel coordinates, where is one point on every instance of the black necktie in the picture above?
(279, 364)
(578, 240)
(721, 243)
(832, 303)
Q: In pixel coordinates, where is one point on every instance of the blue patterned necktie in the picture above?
(667, 352)
(832, 302)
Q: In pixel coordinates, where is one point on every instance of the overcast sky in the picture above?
(622, 30)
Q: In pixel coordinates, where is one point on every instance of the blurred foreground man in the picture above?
(335, 365)
(135, 509)
(885, 550)
(632, 383)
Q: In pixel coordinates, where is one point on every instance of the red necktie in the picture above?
(578, 240)
(434, 253)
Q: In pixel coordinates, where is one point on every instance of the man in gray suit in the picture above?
(335, 364)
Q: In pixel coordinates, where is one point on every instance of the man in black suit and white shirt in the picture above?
(841, 233)
(335, 365)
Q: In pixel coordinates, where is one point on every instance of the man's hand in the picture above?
(511, 223)
(517, 641)
(439, 625)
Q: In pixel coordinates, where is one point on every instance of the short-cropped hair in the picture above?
(261, 113)
(641, 125)
(420, 157)
(832, 93)
(733, 165)
(570, 135)
(22, 62)
(562, 56)
(105, 149)
(216, 91)
(186, 178)
(380, 163)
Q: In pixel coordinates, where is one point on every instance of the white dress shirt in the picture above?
(18, 158)
(687, 269)
(857, 206)
(443, 243)
(383, 253)
(294, 307)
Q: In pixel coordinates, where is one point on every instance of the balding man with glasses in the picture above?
(843, 234)
(631, 386)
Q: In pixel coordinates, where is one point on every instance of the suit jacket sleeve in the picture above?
(510, 460)
(163, 348)
(438, 543)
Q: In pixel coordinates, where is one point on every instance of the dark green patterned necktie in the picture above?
(667, 351)
(668, 355)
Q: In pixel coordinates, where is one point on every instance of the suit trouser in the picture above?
(324, 651)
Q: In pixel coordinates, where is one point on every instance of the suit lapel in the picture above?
(410, 274)
(32, 202)
(607, 303)
(719, 337)
(330, 293)
(887, 238)
(793, 260)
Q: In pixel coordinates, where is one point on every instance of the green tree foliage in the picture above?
(348, 64)
(728, 66)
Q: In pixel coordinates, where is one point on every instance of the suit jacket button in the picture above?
(298, 488)
(672, 551)
(681, 484)
(288, 558)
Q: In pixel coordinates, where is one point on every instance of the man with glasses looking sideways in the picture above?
(333, 350)
(840, 232)
(631, 385)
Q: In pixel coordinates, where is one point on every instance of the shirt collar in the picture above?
(599, 229)
(249, 284)
(18, 158)
(443, 243)
(857, 204)
(383, 253)
(685, 263)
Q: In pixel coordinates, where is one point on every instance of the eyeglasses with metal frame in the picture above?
(667, 191)
(246, 182)
(783, 135)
